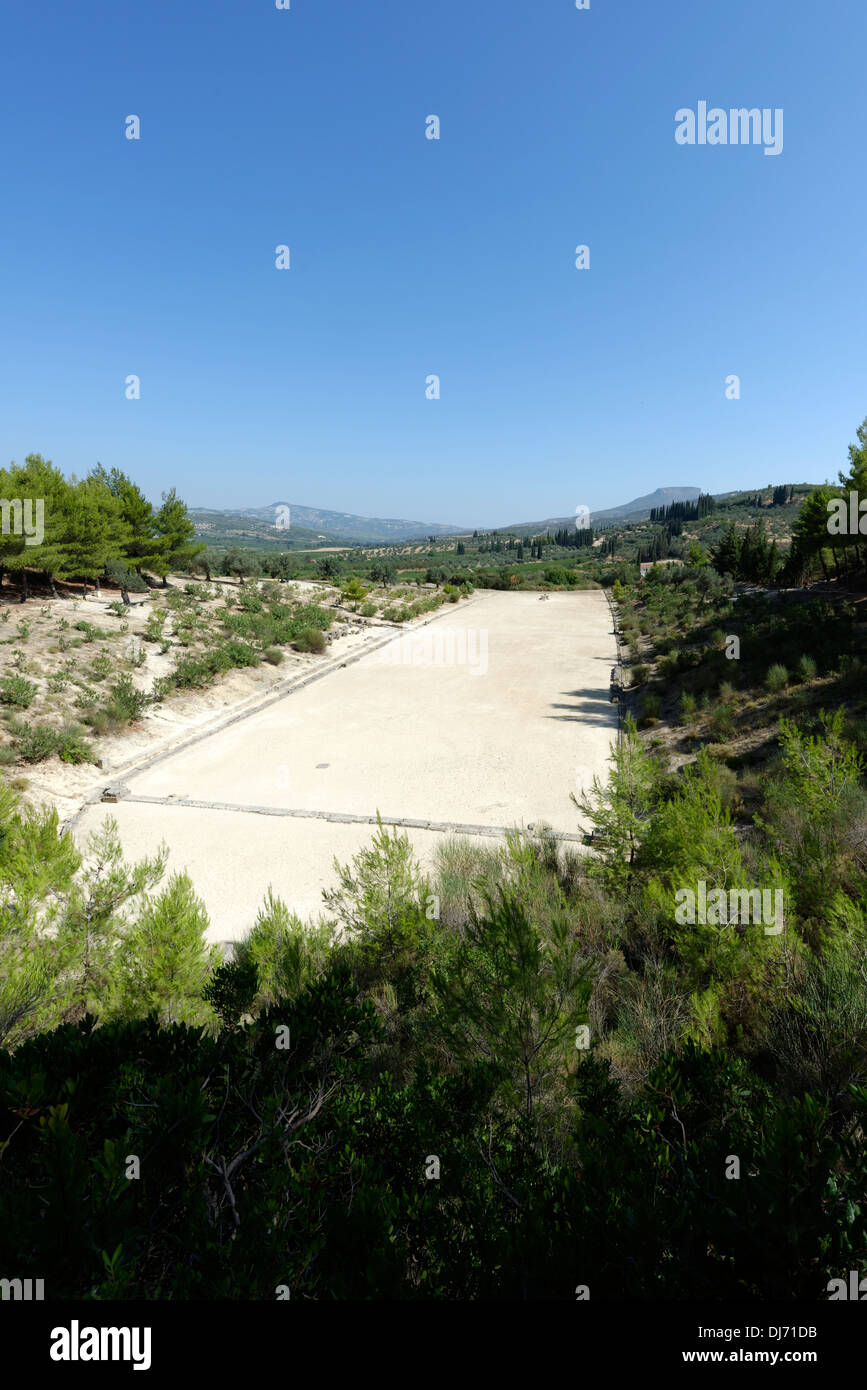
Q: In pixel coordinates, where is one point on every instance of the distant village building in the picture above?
(647, 565)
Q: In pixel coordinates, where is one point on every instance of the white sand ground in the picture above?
(493, 741)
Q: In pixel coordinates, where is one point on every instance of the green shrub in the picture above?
(853, 674)
(91, 633)
(722, 721)
(807, 668)
(273, 655)
(190, 673)
(240, 653)
(154, 626)
(72, 747)
(777, 678)
(34, 742)
(687, 707)
(250, 602)
(176, 600)
(86, 699)
(101, 667)
(126, 703)
(310, 639)
(99, 721)
(15, 690)
(312, 615)
(650, 707)
(368, 610)
(722, 779)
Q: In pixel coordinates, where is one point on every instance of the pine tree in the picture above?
(856, 478)
(512, 997)
(38, 481)
(727, 555)
(37, 868)
(140, 546)
(175, 534)
(620, 809)
(810, 528)
(165, 961)
(91, 923)
(95, 532)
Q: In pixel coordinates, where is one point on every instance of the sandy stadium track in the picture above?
(486, 718)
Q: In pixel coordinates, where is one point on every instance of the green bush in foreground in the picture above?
(328, 1165)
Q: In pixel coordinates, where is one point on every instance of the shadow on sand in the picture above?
(590, 706)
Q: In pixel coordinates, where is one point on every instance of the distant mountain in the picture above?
(319, 526)
(640, 507)
(223, 529)
(637, 510)
(316, 528)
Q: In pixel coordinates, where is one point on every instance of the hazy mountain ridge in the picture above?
(350, 526)
(637, 510)
(319, 526)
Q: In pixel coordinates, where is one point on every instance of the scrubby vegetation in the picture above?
(71, 671)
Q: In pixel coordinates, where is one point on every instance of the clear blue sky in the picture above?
(411, 256)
